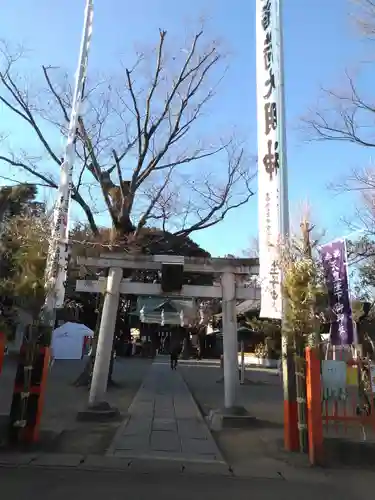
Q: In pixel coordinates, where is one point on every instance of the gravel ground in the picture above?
(261, 396)
(60, 431)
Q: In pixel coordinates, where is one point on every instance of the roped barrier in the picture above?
(28, 394)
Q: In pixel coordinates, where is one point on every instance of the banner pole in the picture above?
(59, 252)
(24, 418)
(291, 437)
(273, 200)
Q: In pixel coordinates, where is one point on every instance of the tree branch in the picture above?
(95, 169)
(178, 130)
(150, 127)
(55, 94)
(144, 218)
(346, 118)
(17, 163)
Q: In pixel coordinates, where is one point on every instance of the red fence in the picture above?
(28, 394)
(353, 408)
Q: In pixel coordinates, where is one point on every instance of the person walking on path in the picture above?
(174, 354)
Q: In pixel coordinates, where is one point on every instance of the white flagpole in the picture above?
(284, 194)
(58, 255)
(272, 168)
(273, 187)
(291, 432)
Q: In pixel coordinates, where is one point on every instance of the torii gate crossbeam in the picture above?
(230, 288)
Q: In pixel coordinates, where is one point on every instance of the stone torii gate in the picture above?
(231, 286)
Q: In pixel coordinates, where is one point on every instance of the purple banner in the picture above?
(336, 276)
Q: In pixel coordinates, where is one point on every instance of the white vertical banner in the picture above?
(272, 185)
(58, 255)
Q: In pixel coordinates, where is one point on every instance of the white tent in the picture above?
(68, 340)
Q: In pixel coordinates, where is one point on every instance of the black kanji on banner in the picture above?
(271, 159)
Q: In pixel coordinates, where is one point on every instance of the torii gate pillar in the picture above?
(98, 387)
(230, 342)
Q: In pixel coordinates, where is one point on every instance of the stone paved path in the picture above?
(164, 422)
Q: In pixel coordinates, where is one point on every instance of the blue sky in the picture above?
(320, 43)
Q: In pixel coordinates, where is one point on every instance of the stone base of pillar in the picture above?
(230, 418)
(101, 412)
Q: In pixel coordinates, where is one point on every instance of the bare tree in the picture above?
(344, 115)
(347, 115)
(142, 154)
(364, 17)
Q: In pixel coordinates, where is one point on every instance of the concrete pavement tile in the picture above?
(199, 447)
(166, 404)
(140, 426)
(188, 414)
(168, 456)
(220, 469)
(144, 396)
(193, 429)
(104, 462)
(163, 406)
(164, 399)
(184, 457)
(138, 442)
(165, 441)
(164, 424)
(151, 466)
(142, 410)
(17, 458)
(185, 410)
(148, 455)
(58, 460)
(163, 414)
(169, 397)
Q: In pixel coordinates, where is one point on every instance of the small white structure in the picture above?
(253, 360)
(68, 340)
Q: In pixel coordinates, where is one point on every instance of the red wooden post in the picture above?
(2, 350)
(31, 394)
(314, 407)
(291, 436)
(31, 434)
